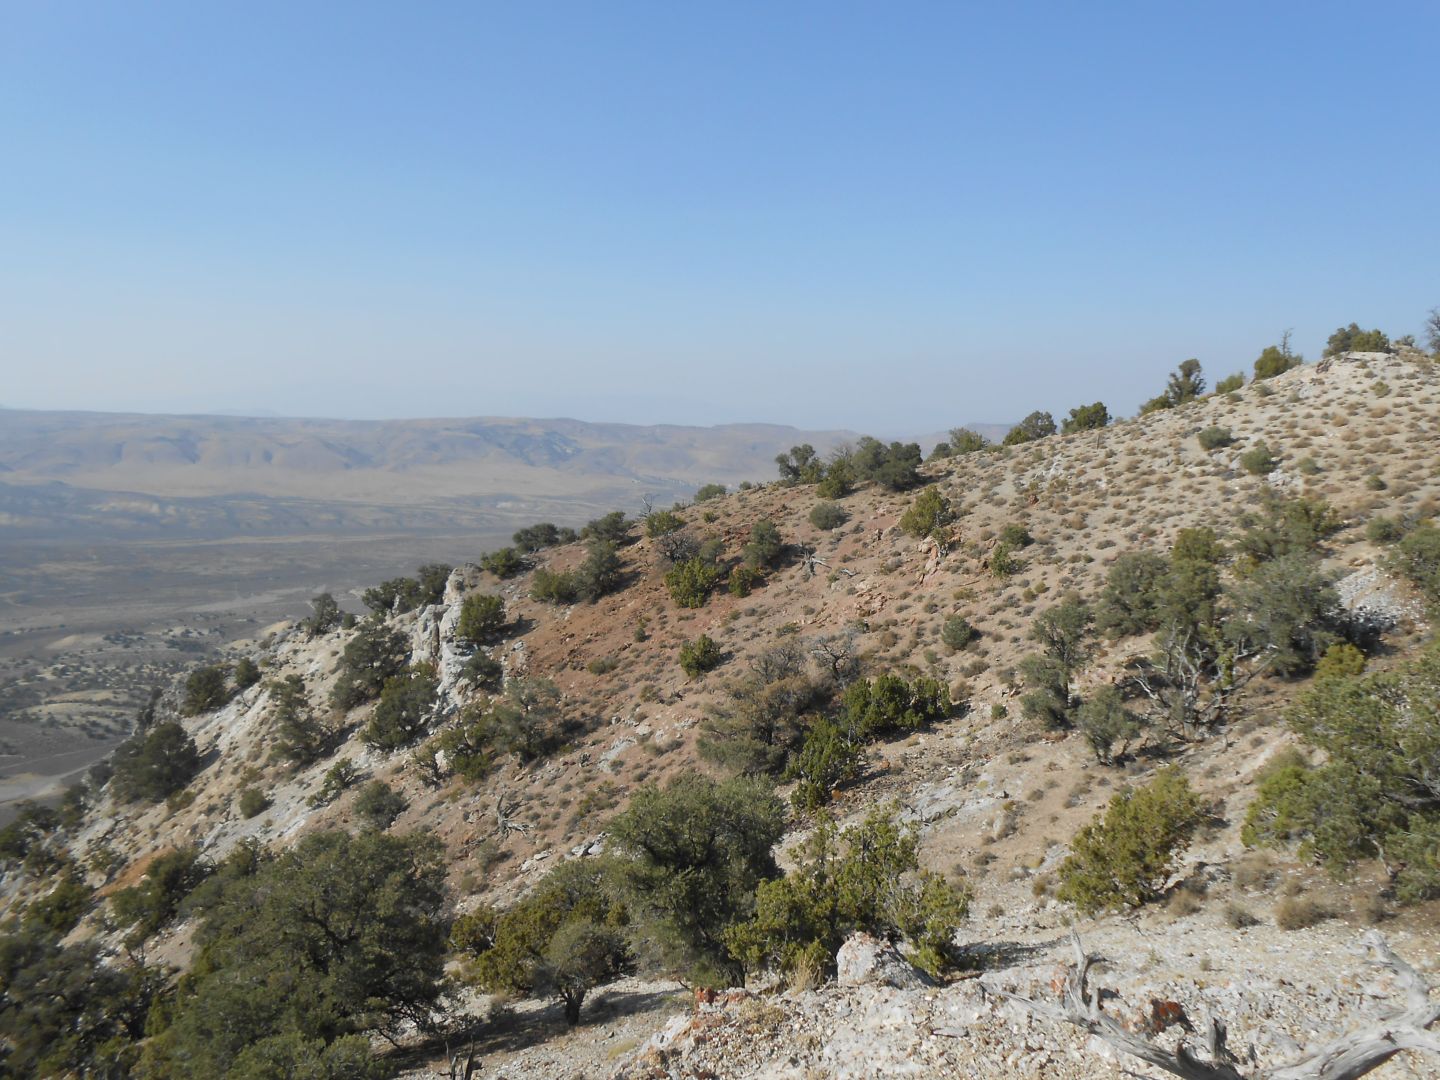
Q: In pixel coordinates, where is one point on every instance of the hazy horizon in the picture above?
(885, 219)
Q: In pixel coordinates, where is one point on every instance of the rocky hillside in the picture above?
(995, 794)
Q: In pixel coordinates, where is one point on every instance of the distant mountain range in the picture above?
(135, 475)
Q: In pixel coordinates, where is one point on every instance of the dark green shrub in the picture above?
(482, 619)
(526, 722)
(474, 932)
(1373, 797)
(60, 910)
(1352, 339)
(1047, 700)
(662, 522)
(1213, 438)
(864, 878)
(710, 491)
(1108, 726)
(485, 671)
(800, 465)
(828, 516)
(957, 632)
(34, 823)
(893, 467)
(887, 704)
(299, 737)
(247, 673)
(1037, 425)
(533, 538)
(1186, 384)
(205, 690)
(563, 939)
(378, 804)
(155, 765)
(965, 441)
(929, 515)
(1383, 530)
(612, 528)
(828, 758)
(399, 595)
(1417, 557)
(470, 746)
(374, 655)
(352, 928)
(504, 563)
(762, 717)
(67, 1011)
(743, 579)
(1066, 634)
(1123, 858)
(553, 587)
(1016, 536)
(1086, 418)
(764, 547)
(1342, 661)
(839, 479)
(337, 778)
(1287, 607)
(148, 907)
(1003, 561)
(1276, 360)
(1285, 526)
(1230, 383)
(404, 710)
(699, 656)
(326, 615)
(1130, 603)
(690, 582)
(691, 856)
(252, 802)
(1259, 461)
(599, 575)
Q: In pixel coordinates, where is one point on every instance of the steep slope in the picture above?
(995, 796)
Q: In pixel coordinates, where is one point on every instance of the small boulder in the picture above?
(866, 960)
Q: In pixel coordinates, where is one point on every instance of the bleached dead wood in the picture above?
(1350, 1056)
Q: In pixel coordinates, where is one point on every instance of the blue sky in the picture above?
(889, 217)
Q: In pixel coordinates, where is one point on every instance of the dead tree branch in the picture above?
(1345, 1058)
(504, 815)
